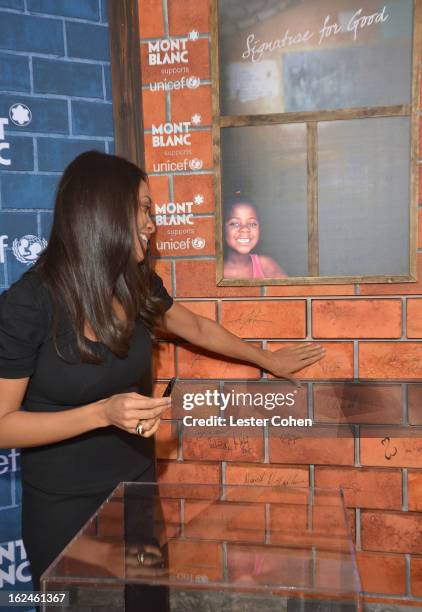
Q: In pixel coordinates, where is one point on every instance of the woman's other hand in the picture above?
(126, 410)
(289, 359)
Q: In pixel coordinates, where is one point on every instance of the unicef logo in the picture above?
(20, 114)
(195, 164)
(193, 82)
(198, 243)
(28, 248)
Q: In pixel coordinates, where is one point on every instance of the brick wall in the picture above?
(54, 60)
(371, 332)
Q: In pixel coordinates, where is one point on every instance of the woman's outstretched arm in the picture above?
(20, 428)
(211, 336)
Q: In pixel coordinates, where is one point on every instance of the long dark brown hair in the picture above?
(90, 258)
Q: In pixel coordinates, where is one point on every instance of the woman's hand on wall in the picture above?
(287, 360)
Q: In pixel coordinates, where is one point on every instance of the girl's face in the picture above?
(242, 228)
(144, 225)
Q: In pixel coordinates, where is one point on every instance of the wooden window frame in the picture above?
(311, 119)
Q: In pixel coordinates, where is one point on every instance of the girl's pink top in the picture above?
(257, 271)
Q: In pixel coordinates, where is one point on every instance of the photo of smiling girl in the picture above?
(242, 232)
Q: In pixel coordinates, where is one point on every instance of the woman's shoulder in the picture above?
(29, 290)
(24, 325)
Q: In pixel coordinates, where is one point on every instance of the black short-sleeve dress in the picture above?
(70, 478)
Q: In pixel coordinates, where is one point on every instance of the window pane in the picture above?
(267, 167)
(288, 55)
(363, 192)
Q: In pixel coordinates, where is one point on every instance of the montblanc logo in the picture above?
(168, 52)
(20, 114)
(171, 134)
(14, 565)
(174, 213)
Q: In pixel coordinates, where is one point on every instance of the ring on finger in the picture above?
(139, 428)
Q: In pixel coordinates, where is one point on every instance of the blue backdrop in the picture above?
(55, 102)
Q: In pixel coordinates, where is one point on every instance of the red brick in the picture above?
(225, 521)
(265, 564)
(167, 516)
(153, 107)
(223, 443)
(200, 148)
(416, 576)
(168, 510)
(287, 518)
(333, 572)
(202, 308)
(420, 134)
(194, 362)
(188, 472)
(358, 403)
(158, 389)
(197, 279)
(266, 481)
(187, 186)
(163, 362)
(188, 15)
(414, 318)
(166, 441)
(337, 362)
(262, 402)
(318, 446)
(398, 532)
(414, 403)
(151, 20)
(420, 176)
(188, 102)
(400, 360)
(111, 519)
(356, 318)
(195, 558)
(308, 290)
(420, 216)
(414, 486)
(198, 64)
(395, 288)
(329, 520)
(382, 573)
(206, 475)
(164, 243)
(163, 269)
(159, 186)
(290, 525)
(363, 488)
(262, 319)
(181, 388)
(391, 446)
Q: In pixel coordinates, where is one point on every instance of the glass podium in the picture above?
(211, 548)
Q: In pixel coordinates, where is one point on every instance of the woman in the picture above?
(75, 346)
(242, 236)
